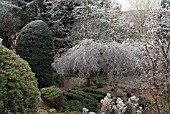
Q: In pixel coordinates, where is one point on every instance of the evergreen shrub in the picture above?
(52, 96)
(92, 96)
(35, 45)
(83, 94)
(90, 90)
(91, 105)
(96, 96)
(79, 100)
(18, 85)
(98, 82)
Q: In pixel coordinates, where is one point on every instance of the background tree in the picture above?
(104, 23)
(164, 3)
(15, 14)
(61, 16)
(9, 23)
(66, 21)
(140, 8)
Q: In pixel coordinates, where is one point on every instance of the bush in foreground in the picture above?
(18, 86)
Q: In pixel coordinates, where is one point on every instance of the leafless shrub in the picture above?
(156, 61)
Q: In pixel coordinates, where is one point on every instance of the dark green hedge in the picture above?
(89, 95)
(90, 90)
(83, 101)
(79, 98)
(18, 85)
(35, 45)
(83, 94)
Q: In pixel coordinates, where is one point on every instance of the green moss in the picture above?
(18, 85)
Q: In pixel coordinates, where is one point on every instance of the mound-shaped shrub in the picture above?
(89, 57)
(35, 45)
(18, 85)
(52, 96)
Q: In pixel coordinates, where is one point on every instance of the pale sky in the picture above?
(126, 5)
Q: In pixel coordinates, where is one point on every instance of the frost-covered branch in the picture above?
(91, 56)
(157, 58)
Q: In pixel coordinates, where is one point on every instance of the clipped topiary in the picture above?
(35, 45)
(18, 85)
(52, 96)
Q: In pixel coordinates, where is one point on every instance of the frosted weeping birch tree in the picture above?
(91, 57)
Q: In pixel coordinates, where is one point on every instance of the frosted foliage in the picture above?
(90, 56)
(156, 61)
(62, 10)
(19, 10)
(120, 107)
(4, 8)
(6, 5)
(157, 46)
(8, 21)
(109, 105)
(133, 46)
(104, 23)
(62, 14)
